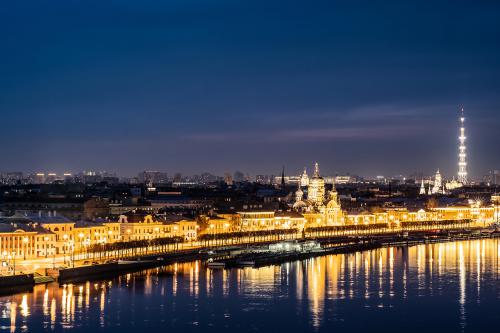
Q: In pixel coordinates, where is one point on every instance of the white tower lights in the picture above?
(462, 163)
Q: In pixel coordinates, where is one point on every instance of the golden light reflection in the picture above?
(380, 277)
(45, 305)
(24, 306)
(316, 288)
(462, 277)
(13, 316)
(80, 297)
(319, 286)
(367, 275)
(391, 271)
(102, 304)
(299, 280)
(87, 295)
(53, 312)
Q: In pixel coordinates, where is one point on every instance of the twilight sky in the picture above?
(366, 87)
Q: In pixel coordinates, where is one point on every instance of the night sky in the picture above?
(366, 87)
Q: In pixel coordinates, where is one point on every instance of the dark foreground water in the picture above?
(449, 287)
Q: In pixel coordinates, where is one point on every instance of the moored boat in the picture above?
(216, 265)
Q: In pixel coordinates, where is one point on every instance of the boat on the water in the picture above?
(295, 246)
(130, 262)
(216, 265)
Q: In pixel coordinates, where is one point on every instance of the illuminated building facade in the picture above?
(141, 226)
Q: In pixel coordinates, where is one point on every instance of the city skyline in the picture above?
(249, 166)
(169, 87)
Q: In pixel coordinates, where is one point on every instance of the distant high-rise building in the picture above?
(39, 178)
(493, 177)
(462, 160)
(262, 179)
(11, 177)
(238, 176)
(228, 179)
(51, 177)
(154, 177)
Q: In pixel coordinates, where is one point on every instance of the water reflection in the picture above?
(452, 283)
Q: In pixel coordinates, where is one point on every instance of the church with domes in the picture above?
(318, 208)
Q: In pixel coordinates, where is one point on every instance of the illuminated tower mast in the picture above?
(462, 163)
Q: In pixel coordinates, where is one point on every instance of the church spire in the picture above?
(316, 170)
(422, 188)
(283, 177)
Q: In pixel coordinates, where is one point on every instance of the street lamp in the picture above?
(65, 237)
(80, 236)
(25, 243)
(72, 257)
(13, 257)
(46, 241)
(4, 256)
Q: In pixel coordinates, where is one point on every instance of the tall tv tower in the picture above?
(462, 162)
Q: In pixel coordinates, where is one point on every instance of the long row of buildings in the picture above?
(27, 236)
(320, 209)
(50, 233)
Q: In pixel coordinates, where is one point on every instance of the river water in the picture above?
(448, 287)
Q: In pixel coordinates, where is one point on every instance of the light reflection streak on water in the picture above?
(13, 316)
(461, 268)
(299, 278)
(316, 289)
(380, 276)
(80, 297)
(431, 270)
(391, 272)
(367, 275)
(351, 276)
(53, 313)
(316, 286)
(478, 268)
(102, 305)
